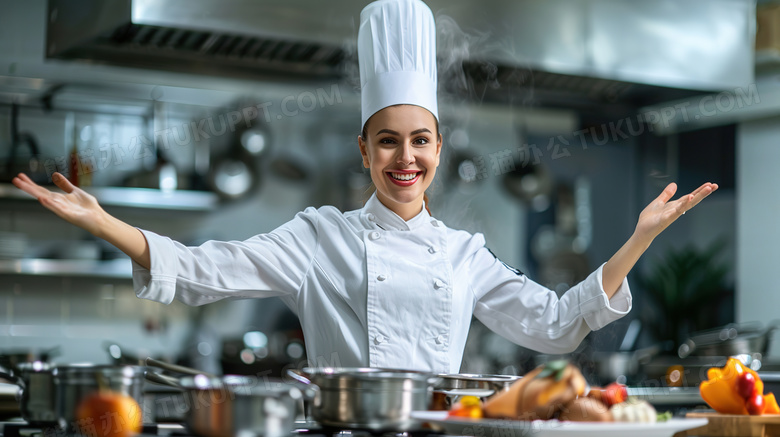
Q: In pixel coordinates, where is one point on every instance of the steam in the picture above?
(457, 47)
(454, 46)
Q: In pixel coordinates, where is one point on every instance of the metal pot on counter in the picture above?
(74, 382)
(729, 340)
(480, 385)
(35, 396)
(367, 398)
(450, 387)
(49, 395)
(233, 405)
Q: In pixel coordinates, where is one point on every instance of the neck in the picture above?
(406, 211)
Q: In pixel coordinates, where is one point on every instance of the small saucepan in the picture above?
(481, 385)
(452, 386)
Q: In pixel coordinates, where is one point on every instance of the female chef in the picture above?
(386, 285)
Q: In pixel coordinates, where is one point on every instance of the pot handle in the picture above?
(10, 377)
(298, 376)
(175, 368)
(686, 348)
(435, 380)
(480, 393)
(309, 389)
(162, 379)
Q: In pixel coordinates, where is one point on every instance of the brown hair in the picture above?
(364, 136)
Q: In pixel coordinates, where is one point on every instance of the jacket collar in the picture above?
(385, 218)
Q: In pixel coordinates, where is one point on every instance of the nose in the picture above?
(406, 155)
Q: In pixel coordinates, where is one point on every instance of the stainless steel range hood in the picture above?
(629, 51)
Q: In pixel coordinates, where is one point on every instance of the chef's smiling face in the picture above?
(401, 149)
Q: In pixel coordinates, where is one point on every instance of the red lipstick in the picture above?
(404, 183)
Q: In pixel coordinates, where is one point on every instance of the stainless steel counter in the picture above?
(668, 396)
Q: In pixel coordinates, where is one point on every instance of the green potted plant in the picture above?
(685, 289)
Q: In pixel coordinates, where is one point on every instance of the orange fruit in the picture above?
(109, 414)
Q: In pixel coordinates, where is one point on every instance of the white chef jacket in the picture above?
(371, 289)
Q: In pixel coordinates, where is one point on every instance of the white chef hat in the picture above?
(397, 56)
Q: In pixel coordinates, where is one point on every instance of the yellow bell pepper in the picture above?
(771, 404)
(720, 391)
(469, 406)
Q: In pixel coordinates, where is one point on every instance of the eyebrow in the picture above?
(392, 132)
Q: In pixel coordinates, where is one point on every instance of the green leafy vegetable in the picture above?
(553, 368)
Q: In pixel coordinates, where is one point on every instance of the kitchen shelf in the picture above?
(117, 269)
(178, 200)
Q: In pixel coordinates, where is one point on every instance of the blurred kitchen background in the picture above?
(562, 119)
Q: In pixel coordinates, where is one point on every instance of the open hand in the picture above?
(75, 205)
(661, 212)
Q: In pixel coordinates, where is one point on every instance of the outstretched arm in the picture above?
(82, 209)
(656, 217)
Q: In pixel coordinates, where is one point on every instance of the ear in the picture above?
(438, 149)
(364, 152)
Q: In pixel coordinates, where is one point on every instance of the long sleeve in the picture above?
(272, 264)
(533, 316)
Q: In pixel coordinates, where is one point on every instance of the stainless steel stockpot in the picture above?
(36, 396)
(240, 406)
(367, 398)
(236, 406)
(74, 382)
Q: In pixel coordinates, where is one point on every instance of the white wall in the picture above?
(758, 222)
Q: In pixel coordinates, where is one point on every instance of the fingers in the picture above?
(693, 199)
(667, 193)
(700, 193)
(62, 182)
(712, 187)
(24, 183)
(25, 178)
(700, 189)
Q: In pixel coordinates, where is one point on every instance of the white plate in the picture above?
(552, 428)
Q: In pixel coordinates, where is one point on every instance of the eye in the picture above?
(421, 141)
(387, 140)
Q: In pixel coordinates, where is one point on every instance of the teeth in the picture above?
(403, 176)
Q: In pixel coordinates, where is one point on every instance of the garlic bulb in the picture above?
(633, 410)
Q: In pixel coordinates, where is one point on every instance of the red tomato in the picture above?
(746, 385)
(756, 405)
(614, 393)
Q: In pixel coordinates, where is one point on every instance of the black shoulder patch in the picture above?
(514, 270)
